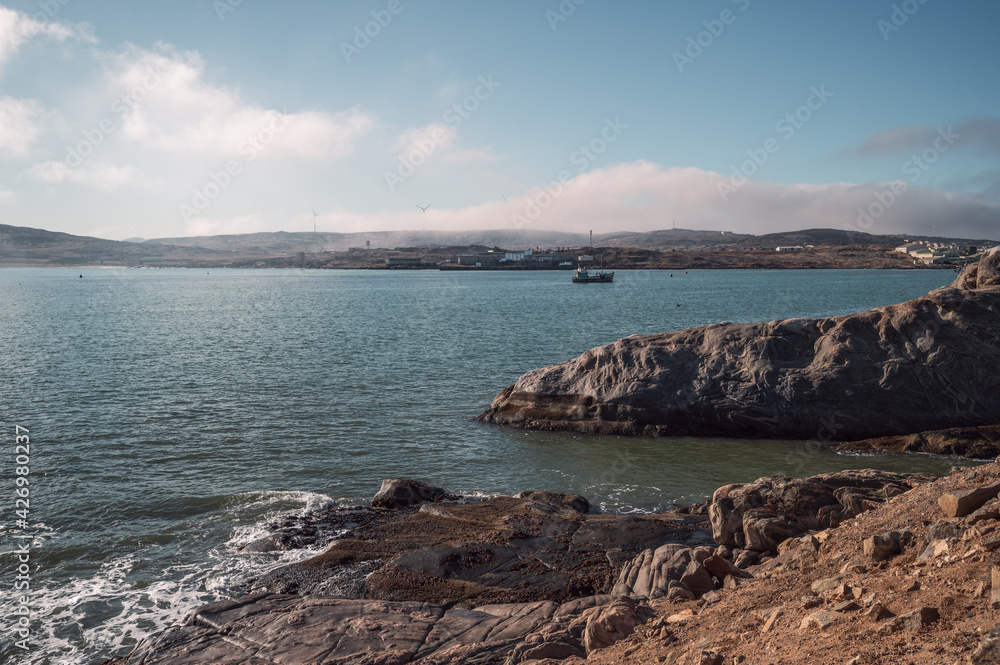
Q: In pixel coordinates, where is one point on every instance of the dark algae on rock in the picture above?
(927, 364)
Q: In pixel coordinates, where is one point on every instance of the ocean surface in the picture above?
(174, 414)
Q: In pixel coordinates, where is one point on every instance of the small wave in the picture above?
(88, 619)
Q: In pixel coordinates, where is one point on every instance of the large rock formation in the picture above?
(926, 364)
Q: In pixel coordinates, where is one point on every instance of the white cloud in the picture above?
(644, 196)
(426, 141)
(96, 175)
(167, 103)
(206, 226)
(22, 122)
(17, 28)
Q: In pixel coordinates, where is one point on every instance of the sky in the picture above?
(180, 117)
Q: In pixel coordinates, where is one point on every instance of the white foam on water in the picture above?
(89, 619)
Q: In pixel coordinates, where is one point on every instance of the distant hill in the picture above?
(285, 242)
(20, 245)
(27, 246)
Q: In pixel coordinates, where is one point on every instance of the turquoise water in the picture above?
(174, 413)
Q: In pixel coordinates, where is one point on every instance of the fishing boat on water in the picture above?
(584, 276)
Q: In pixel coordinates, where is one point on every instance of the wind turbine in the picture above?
(424, 208)
(315, 215)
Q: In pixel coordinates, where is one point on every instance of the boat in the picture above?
(583, 276)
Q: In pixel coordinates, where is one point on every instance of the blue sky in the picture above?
(192, 117)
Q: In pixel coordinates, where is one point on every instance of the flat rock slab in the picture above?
(273, 629)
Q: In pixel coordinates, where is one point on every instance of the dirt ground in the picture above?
(864, 622)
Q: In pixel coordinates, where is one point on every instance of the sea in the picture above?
(168, 417)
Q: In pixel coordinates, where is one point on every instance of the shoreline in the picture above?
(665, 597)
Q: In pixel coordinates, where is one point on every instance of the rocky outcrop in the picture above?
(531, 547)
(926, 364)
(759, 516)
(970, 442)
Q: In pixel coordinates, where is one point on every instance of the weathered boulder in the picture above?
(675, 571)
(401, 492)
(883, 546)
(609, 624)
(961, 503)
(760, 515)
(892, 370)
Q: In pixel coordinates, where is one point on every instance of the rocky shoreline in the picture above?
(853, 567)
(422, 576)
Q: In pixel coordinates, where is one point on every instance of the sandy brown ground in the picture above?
(956, 583)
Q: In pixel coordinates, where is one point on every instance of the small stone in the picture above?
(878, 612)
(682, 616)
(989, 511)
(913, 621)
(858, 592)
(933, 549)
(821, 620)
(852, 568)
(844, 591)
(883, 546)
(746, 558)
(763, 615)
(769, 624)
(721, 568)
(679, 591)
(988, 651)
(731, 582)
(700, 657)
(712, 597)
(913, 587)
(809, 602)
(819, 586)
(990, 544)
(846, 606)
(980, 590)
(995, 587)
